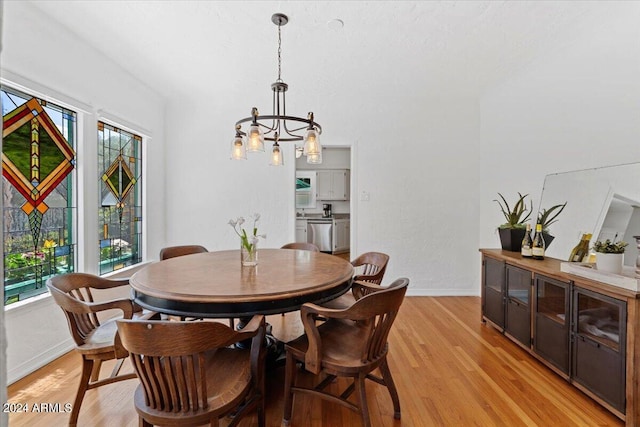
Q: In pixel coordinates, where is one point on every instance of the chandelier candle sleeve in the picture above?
(278, 126)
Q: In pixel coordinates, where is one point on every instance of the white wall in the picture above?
(578, 107)
(41, 55)
(423, 187)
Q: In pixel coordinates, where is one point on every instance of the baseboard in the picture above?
(38, 361)
(443, 292)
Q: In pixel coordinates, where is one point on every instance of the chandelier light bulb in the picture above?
(314, 159)
(276, 156)
(255, 139)
(311, 143)
(238, 150)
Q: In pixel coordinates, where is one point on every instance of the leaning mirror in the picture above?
(602, 201)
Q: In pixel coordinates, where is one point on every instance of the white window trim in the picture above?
(113, 120)
(85, 196)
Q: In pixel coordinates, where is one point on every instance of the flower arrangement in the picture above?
(248, 241)
(609, 247)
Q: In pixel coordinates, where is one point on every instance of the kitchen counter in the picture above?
(319, 216)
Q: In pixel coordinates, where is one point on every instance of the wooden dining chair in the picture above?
(302, 246)
(96, 340)
(348, 343)
(175, 251)
(370, 268)
(190, 373)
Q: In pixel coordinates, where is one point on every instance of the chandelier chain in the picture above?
(279, 54)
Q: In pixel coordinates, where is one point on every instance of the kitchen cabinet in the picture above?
(301, 230)
(341, 235)
(332, 184)
(582, 329)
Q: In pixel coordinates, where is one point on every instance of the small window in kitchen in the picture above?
(305, 189)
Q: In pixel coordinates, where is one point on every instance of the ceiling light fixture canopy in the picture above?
(278, 127)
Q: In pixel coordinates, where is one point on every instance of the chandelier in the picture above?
(278, 126)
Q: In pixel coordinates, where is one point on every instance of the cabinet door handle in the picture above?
(590, 342)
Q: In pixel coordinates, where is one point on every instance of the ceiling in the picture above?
(389, 49)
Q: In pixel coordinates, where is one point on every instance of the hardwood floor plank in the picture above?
(449, 368)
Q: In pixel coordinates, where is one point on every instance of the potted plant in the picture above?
(609, 255)
(512, 231)
(548, 217)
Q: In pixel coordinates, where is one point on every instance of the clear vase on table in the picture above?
(248, 240)
(249, 254)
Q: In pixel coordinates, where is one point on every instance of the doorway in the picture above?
(333, 200)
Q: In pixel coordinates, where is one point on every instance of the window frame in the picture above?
(86, 194)
(111, 120)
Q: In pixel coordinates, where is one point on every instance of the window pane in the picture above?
(37, 168)
(120, 213)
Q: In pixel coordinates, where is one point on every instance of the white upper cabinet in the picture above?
(332, 184)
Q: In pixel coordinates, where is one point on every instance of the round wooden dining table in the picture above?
(215, 284)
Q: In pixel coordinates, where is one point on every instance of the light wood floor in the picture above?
(449, 368)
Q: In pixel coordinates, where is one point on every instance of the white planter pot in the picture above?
(611, 263)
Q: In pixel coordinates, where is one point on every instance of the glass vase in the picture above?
(249, 256)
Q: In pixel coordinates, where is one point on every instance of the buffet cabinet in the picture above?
(583, 330)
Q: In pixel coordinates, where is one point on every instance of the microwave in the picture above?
(305, 189)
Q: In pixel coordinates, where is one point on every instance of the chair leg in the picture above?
(87, 368)
(289, 377)
(95, 372)
(391, 386)
(144, 423)
(362, 397)
(261, 417)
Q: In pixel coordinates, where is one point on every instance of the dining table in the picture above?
(216, 284)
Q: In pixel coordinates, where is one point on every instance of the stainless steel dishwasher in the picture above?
(320, 233)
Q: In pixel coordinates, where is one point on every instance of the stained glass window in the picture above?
(38, 164)
(120, 213)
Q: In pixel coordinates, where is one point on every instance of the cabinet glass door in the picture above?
(599, 325)
(552, 301)
(551, 336)
(519, 284)
(493, 290)
(599, 319)
(518, 310)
